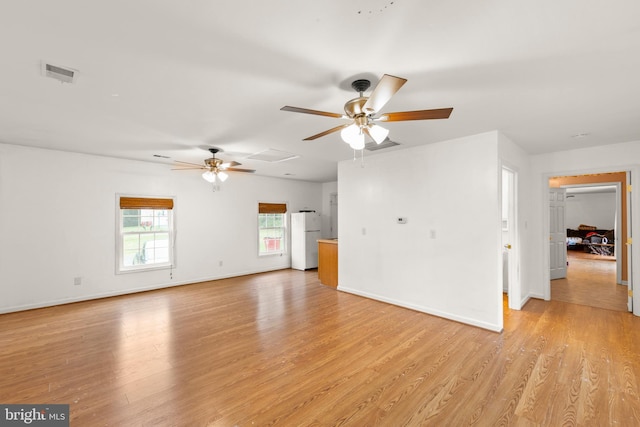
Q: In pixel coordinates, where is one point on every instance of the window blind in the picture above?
(145, 203)
(272, 208)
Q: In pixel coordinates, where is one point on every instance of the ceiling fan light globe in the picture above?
(357, 145)
(353, 136)
(378, 133)
(223, 176)
(209, 176)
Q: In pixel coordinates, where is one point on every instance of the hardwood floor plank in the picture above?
(281, 349)
(591, 280)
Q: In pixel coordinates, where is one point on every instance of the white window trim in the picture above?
(284, 250)
(121, 269)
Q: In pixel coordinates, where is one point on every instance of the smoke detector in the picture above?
(62, 74)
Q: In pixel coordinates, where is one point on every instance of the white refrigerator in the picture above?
(305, 232)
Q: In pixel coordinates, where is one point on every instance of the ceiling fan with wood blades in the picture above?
(213, 167)
(363, 113)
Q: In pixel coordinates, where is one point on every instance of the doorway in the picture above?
(595, 232)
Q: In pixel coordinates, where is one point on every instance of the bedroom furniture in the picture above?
(600, 242)
(600, 248)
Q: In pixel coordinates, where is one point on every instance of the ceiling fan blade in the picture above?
(326, 132)
(241, 170)
(187, 163)
(188, 169)
(230, 164)
(308, 111)
(439, 113)
(385, 89)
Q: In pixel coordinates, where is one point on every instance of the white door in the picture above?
(558, 234)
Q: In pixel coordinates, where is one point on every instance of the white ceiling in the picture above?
(175, 77)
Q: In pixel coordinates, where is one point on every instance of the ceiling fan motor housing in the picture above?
(213, 162)
(353, 108)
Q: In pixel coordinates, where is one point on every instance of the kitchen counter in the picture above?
(328, 262)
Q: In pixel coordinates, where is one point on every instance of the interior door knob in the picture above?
(507, 246)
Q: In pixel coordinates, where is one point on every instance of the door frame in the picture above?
(514, 287)
(633, 220)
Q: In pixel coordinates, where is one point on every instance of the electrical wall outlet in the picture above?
(77, 281)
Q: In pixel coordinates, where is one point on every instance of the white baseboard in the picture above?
(524, 300)
(534, 295)
(62, 301)
(427, 310)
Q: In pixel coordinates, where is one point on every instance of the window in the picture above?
(272, 228)
(145, 233)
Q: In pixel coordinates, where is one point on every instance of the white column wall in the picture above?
(446, 260)
(58, 222)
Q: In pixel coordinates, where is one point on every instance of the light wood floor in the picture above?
(281, 349)
(591, 280)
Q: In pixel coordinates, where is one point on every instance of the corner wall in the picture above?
(446, 259)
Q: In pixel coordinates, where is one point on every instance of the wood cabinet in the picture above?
(328, 262)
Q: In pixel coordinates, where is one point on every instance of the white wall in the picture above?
(446, 260)
(597, 209)
(610, 158)
(327, 189)
(58, 221)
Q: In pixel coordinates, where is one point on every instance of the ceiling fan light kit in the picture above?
(378, 133)
(363, 110)
(209, 176)
(353, 136)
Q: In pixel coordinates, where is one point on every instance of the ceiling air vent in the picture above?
(273, 156)
(387, 143)
(62, 74)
